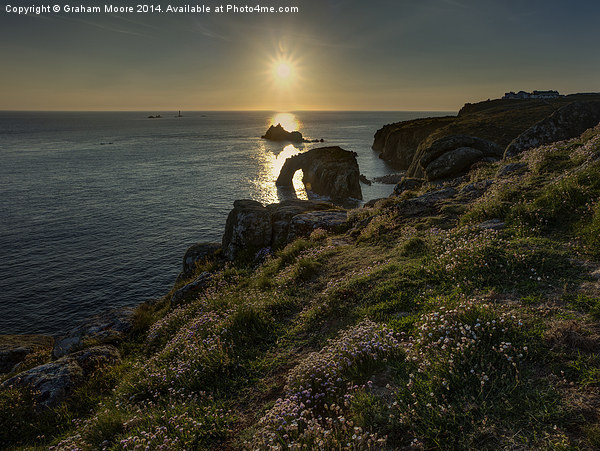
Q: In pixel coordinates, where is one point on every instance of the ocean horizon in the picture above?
(98, 208)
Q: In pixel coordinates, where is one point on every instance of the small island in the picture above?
(279, 134)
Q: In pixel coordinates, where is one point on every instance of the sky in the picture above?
(412, 55)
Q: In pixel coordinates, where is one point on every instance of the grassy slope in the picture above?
(425, 332)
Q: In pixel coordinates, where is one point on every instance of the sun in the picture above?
(283, 69)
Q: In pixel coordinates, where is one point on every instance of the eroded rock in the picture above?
(328, 171)
(248, 226)
(195, 254)
(303, 224)
(251, 226)
(283, 212)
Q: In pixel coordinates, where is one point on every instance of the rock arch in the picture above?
(328, 171)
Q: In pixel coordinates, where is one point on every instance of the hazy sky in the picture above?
(344, 54)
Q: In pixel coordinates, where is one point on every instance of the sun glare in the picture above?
(287, 120)
(283, 69)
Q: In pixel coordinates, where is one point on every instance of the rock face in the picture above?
(195, 254)
(328, 171)
(196, 285)
(451, 156)
(54, 381)
(110, 326)
(278, 133)
(251, 226)
(407, 184)
(248, 226)
(398, 142)
(304, 224)
(15, 348)
(565, 123)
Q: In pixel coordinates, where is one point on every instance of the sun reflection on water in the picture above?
(272, 162)
(288, 121)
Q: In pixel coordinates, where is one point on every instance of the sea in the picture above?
(98, 208)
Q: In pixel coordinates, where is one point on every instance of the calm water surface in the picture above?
(97, 209)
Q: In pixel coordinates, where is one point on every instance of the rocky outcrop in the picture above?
(567, 122)
(248, 226)
(111, 326)
(54, 381)
(304, 224)
(251, 226)
(407, 184)
(15, 348)
(195, 286)
(195, 254)
(427, 204)
(390, 179)
(278, 133)
(282, 214)
(397, 143)
(451, 156)
(328, 171)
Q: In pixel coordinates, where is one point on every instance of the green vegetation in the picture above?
(428, 331)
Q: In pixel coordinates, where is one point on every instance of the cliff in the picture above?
(457, 315)
(498, 122)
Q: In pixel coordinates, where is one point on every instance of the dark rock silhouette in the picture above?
(328, 171)
(565, 123)
(398, 142)
(363, 178)
(278, 133)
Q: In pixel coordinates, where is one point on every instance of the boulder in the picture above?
(476, 189)
(427, 204)
(567, 122)
(363, 179)
(451, 156)
(510, 168)
(283, 212)
(196, 285)
(492, 224)
(278, 133)
(110, 326)
(303, 224)
(15, 348)
(328, 171)
(248, 227)
(390, 179)
(407, 184)
(251, 226)
(54, 381)
(197, 253)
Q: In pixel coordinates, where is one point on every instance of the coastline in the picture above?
(453, 290)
